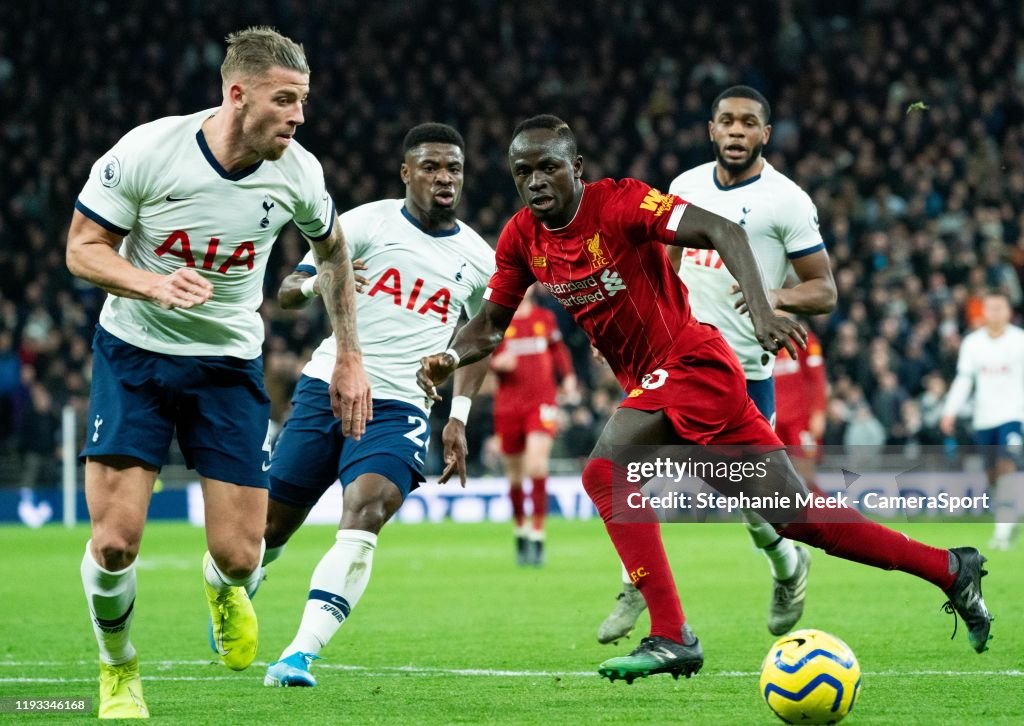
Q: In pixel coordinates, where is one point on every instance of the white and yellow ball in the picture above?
(810, 677)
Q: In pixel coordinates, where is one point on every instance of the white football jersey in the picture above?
(420, 282)
(782, 224)
(994, 368)
(162, 188)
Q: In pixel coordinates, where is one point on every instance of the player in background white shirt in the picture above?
(176, 223)
(782, 224)
(424, 267)
(991, 363)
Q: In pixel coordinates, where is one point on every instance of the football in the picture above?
(810, 676)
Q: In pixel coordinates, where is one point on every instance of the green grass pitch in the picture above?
(451, 631)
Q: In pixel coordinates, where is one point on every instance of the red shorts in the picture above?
(513, 425)
(704, 395)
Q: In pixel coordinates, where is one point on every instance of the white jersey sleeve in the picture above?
(315, 215)
(116, 185)
(797, 225)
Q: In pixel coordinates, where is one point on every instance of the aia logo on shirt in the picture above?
(593, 247)
(179, 245)
(390, 283)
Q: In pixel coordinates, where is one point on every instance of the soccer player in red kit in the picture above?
(598, 248)
(525, 411)
(801, 393)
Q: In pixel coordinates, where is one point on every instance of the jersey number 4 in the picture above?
(178, 245)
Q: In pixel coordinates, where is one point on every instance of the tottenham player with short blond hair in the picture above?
(176, 222)
(781, 222)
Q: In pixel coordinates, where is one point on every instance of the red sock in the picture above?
(518, 497)
(539, 497)
(639, 546)
(848, 534)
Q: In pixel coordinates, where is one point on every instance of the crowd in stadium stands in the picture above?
(904, 120)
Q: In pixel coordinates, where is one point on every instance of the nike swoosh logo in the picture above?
(169, 198)
(265, 466)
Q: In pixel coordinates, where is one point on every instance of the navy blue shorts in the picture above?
(762, 393)
(1001, 442)
(311, 453)
(217, 404)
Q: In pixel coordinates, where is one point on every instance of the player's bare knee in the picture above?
(114, 552)
(368, 515)
(237, 563)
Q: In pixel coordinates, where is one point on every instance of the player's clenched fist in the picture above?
(435, 370)
(183, 288)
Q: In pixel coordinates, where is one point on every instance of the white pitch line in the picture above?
(385, 671)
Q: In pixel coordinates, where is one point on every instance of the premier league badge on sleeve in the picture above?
(110, 175)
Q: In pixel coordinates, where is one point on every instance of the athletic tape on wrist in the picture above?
(307, 287)
(460, 408)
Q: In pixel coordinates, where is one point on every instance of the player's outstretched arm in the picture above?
(350, 388)
(477, 339)
(92, 255)
(299, 288)
(703, 229)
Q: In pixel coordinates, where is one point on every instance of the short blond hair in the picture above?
(255, 50)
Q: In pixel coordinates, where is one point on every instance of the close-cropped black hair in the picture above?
(743, 92)
(432, 133)
(551, 123)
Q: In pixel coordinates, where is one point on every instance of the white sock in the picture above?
(626, 579)
(1004, 531)
(536, 535)
(781, 553)
(1009, 494)
(270, 554)
(220, 582)
(111, 600)
(338, 582)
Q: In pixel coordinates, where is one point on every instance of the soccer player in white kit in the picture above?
(424, 267)
(781, 222)
(991, 363)
(176, 222)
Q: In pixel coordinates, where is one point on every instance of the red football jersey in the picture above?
(609, 269)
(536, 342)
(800, 386)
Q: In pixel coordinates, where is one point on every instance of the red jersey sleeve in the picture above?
(559, 350)
(813, 369)
(644, 213)
(512, 275)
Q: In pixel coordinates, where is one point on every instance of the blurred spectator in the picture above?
(39, 440)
